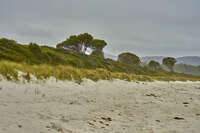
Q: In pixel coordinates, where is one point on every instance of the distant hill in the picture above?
(188, 69)
(189, 60)
(186, 64)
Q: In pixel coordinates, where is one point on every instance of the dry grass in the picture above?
(62, 72)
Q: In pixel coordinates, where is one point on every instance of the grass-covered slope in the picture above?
(33, 54)
(45, 61)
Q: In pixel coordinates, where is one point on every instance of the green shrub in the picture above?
(129, 58)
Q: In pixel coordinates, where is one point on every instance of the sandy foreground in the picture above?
(102, 107)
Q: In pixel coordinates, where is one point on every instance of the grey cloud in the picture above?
(145, 27)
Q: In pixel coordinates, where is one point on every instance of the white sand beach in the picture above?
(102, 107)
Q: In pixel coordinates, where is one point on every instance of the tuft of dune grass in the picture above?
(8, 71)
(64, 72)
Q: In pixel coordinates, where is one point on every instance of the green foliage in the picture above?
(98, 53)
(97, 44)
(71, 43)
(34, 48)
(6, 42)
(45, 61)
(80, 43)
(85, 38)
(77, 43)
(129, 58)
(154, 65)
(11, 50)
(169, 62)
(59, 56)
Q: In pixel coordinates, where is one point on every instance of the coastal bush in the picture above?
(129, 58)
(154, 65)
(169, 62)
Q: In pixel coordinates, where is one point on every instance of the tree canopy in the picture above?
(154, 65)
(80, 43)
(85, 38)
(169, 62)
(76, 43)
(97, 44)
(129, 58)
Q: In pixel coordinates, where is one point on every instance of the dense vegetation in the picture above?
(45, 61)
(169, 62)
(154, 65)
(80, 43)
(129, 58)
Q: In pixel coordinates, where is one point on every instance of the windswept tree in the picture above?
(169, 62)
(154, 65)
(71, 43)
(129, 58)
(76, 43)
(97, 47)
(84, 39)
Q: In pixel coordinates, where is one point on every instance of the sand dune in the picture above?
(102, 107)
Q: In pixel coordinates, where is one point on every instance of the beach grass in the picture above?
(10, 70)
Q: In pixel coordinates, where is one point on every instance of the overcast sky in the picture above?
(144, 27)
